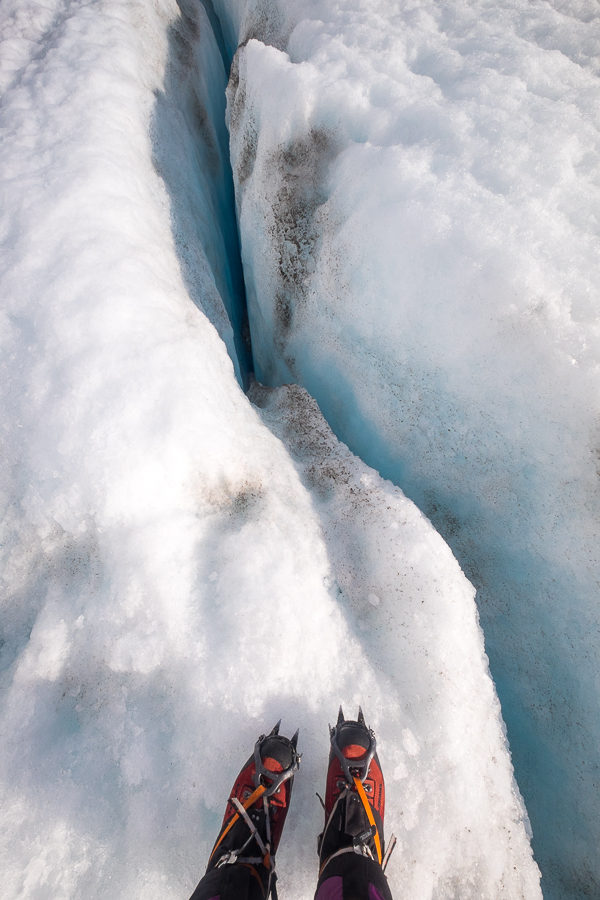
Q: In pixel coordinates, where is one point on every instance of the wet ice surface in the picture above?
(180, 568)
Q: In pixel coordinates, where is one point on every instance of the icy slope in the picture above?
(174, 576)
(418, 191)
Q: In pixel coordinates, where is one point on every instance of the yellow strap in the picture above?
(365, 802)
(246, 804)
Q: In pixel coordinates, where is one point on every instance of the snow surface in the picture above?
(418, 188)
(180, 566)
(174, 576)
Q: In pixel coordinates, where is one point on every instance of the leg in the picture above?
(242, 863)
(236, 882)
(351, 847)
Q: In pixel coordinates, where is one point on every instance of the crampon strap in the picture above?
(254, 796)
(362, 848)
(365, 802)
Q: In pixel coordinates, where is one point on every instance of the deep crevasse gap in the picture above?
(189, 128)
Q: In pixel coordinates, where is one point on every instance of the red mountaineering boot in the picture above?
(256, 810)
(354, 802)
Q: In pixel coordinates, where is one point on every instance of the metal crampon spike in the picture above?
(294, 739)
(361, 718)
(340, 718)
(275, 729)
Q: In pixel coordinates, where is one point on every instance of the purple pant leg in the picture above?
(374, 893)
(332, 889)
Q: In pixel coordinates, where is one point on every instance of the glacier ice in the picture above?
(159, 531)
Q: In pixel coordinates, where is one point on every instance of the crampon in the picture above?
(354, 795)
(257, 808)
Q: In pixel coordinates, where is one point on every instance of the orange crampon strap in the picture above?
(365, 802)
(247, 804)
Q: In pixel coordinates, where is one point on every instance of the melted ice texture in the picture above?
(181, 564)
